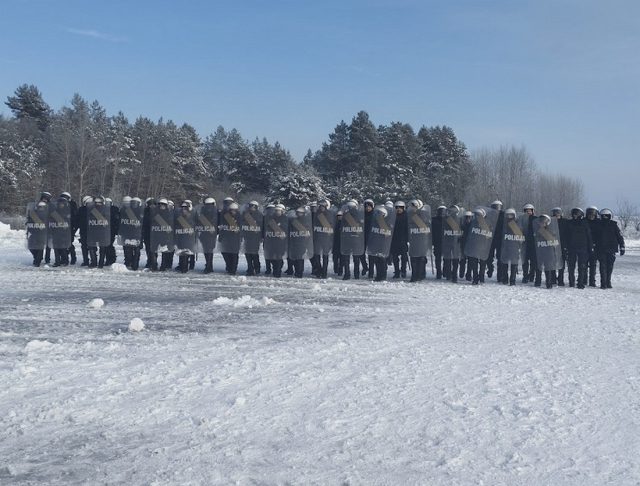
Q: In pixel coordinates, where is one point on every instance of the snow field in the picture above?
(256, 380)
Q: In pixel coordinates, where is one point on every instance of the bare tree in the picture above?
(627, 212)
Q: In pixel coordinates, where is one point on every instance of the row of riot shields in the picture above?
(49, 225)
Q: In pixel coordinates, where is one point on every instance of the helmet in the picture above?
(99, 200)
(421, 204)
(399, 204)
(606, 213)
(41, 204)
(497, 204)
(280, 207)
(108, 200)
(45, 195)
(369, 202)
(254, 203)
(149, 201)
(383, 211)
(313, 204)
(353, 201)
(441, 210)
(301, 210)
(480, 211)
(136, 200)
(510, 212)
(234, 205)
(468, 214)
(339, 213)
(86, 199)
(185, 204)
(555, 211)
(352, 204)
(209, 200)
(270, 206)
(528, 206)
(577, 212)
(163, 200)
(170, 203)
(66, 195)
(592, 211)
(227, 199)
(453, 209)
(414, 203)
(126, 200)
(325, 203)
(546, 219)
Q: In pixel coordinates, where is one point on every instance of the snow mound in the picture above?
(96, 304)
(119, 268)
(12, 239)
(244, 301)
(36, 345)
(136, 325)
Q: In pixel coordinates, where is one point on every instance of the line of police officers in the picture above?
(464, 244)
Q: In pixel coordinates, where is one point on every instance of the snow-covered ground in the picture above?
(258, 381)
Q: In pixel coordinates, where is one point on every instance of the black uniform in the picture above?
(336, 251)
(530, 261)
(494, 253)
(368, 261)
(81, 223)
(580, 246)
(608, 241)
(594, 226)
(115, 227)
(436, 232)
(562, 226)
(465, 264)
(400, 245)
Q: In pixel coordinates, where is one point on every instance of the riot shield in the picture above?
(381, 232)
(419, 223)
(513, 248)
(36, 226)
(451, 236)
(229, 235)
(161, 229)
(130, 228)
(324, 222)
(548, 249)
(480, 236)
(300, 235)
(98, 225)
(59, 224)
(184, 231)
(275, 235)
(206, 227)
(352, 235)
(251, 229)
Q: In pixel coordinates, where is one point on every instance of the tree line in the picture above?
(82, 149)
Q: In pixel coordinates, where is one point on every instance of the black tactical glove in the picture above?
(621, 250)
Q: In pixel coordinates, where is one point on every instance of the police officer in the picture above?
(562, 227)
(152, 257)
(593, 221)
(496, 244)
(580, 247)
(465, 263)
(436, 231)
(529, 262)
(267, 263)
(73, 211)
(336, 251)
(400, 241)
(368, 261)
(609, 241)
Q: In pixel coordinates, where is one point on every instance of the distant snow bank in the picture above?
(12, 239)
(243, 301)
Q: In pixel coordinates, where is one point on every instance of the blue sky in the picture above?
(560, 77)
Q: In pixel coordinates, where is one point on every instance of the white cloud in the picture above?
(94, 34)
